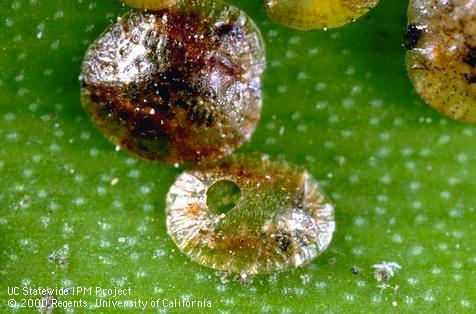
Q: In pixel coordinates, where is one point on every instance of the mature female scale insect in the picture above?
(150, 4)
(181, 84)
(312, 14)
(279, 218)
(441, 57)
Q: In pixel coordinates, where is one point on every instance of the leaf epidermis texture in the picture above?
(339, 103)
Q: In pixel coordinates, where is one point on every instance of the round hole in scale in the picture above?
(223, 196)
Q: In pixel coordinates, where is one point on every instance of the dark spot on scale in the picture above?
(412, 36)
(284, 241)
(224, 30)
(470, 57)
(182, 103)
(470, 78)
(96, 97)
(145, 127)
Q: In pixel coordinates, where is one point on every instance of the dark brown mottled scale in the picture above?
(176, 85)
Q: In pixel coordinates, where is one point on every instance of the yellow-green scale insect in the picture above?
(317, 14)
(150, 4)
(441, 57)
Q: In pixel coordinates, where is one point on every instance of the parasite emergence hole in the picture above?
(223, 196)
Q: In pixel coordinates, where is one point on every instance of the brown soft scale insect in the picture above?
(441, 60)
(181, 84)
(281, 221)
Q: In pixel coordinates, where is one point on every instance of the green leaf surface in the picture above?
(337, 102)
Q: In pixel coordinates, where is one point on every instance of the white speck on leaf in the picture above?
(384, 272)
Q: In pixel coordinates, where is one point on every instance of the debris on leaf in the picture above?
(60, 257)
(384, 272)
(46, 306)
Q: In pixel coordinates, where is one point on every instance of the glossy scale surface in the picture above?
(150, 4)
(177, 85)
(282, 221)
(312, 14)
